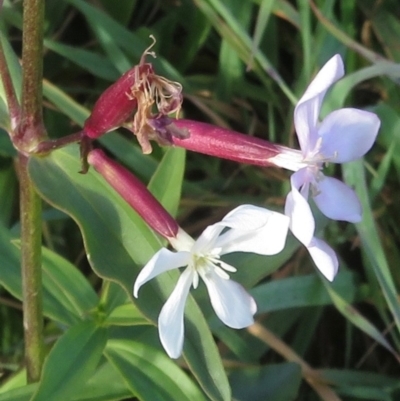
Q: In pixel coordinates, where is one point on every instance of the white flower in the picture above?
(245, 229)
(344, 135)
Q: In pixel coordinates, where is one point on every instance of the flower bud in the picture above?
(133, 191)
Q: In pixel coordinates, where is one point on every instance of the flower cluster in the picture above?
(342, 136)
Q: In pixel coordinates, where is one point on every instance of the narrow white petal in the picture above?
(170, 321)
(324, 257)
(266, 240)
(302, 222)
(205, 242)
(231, 302)
(307, 110)
(338, 201)
(347, 134)
(161, 262)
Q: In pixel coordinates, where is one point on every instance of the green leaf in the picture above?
(105, 385)
(123, 12)
(19, 394)
(354, 175)
(362, 385)
(303, 291)
(13, 382)
(353, 316)
(66, 285)
(150, 374)
(166, 183)
(13, 65)
(273, 383)
(118, 243)
(71, 362)
(96, 64)
(115, 36)
(336, 98)
(67, 296)
(126, 315)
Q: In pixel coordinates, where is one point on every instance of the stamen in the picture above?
(222, 273)
(148, 52)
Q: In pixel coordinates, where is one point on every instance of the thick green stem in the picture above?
(31, 272)
(31, 130)
(29, 133)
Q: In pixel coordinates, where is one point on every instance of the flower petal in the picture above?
(324, 257)
(338, 201)
(267, 240)
(170, 321)
(302, 222)
(307, 110)
(161, 262)
(207, 239)
(347, 134)
(231, 302)
(246, 217)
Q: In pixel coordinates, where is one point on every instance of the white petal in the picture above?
(161, 262)
(347, 134)
(324, 257)
(291, 159)
(182, 241)
(246, 217)
(338, 201)
(241, 221)
(307, 110)
(267, 240)
(231, 302)
(207, 239)
(170, 321)
(302, 222)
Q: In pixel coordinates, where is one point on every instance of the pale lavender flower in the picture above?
(343, 136)
(245, 229)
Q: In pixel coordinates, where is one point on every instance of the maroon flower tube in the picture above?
(133, 191)
(227, 144)
(115, 105)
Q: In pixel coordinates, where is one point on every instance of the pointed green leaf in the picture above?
(67, 295)
(150, 374)
(71, 362)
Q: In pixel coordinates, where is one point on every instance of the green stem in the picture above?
(31, 130)
(29, 133)
(31, 240)
(53, 144)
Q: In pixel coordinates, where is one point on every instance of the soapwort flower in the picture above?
(245, 229)
(343, 136)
